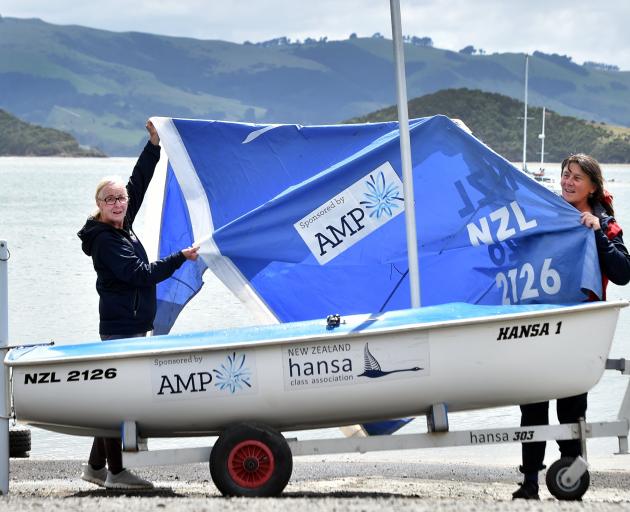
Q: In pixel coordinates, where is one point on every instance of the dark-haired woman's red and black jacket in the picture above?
(614, 259)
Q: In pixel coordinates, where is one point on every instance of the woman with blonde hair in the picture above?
(126, 284)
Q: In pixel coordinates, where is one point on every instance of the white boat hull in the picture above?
(294, 379)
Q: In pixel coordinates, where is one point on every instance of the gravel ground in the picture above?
(318, 483)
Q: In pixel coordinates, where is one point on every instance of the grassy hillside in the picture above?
(101, 86)
(498, 121)
(18, 138)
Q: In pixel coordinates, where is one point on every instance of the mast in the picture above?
(525, 117)
(542, 142)
(405, 153)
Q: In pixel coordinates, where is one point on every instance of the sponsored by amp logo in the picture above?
(333, 236)
(353, 214)
(231, 376)
(382, 198)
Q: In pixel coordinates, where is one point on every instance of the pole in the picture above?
(542, 141)
(525, 117)
(405, 153)
(4, 342)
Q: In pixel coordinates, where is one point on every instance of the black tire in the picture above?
(19, 442)
(251, 460)
(558, 489)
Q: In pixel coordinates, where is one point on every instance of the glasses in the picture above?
(111, 200)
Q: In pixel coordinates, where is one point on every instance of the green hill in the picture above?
(101, 86)
(18, 138)
(498, 121)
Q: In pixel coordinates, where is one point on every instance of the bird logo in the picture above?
(373, 368)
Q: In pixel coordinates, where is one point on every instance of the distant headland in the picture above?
(18, 138)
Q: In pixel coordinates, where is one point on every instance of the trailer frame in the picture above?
(136, 453)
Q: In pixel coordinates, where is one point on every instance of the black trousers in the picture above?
(569, 410)
(107, 450)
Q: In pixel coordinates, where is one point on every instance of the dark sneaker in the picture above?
(527, 491)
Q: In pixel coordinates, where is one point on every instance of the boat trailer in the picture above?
(252, 459)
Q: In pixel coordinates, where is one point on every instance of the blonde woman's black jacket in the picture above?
(125, 280)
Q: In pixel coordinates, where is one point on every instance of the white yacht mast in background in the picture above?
(525, 117)
(542, 143)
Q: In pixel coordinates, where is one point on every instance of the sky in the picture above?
(586, 30)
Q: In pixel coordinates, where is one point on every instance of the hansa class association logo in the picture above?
(337, 364)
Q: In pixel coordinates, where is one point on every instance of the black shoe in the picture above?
(527, 491)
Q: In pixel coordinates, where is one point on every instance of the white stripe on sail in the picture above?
(196, 200)
(153, 204)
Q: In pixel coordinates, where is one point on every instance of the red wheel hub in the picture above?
(251, 464)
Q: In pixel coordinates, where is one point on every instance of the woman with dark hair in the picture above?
(582, 186)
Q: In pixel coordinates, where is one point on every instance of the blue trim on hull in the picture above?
(289, 332)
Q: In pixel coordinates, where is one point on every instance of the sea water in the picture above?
(52, 296)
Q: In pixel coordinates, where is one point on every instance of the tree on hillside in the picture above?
(278, 41)
(426, 42)
(600, 66)
(471, 50)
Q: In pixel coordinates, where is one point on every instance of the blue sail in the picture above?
(304, 221)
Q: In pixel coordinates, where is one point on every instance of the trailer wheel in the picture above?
(558, 488)
(19, 442)
(251, 460)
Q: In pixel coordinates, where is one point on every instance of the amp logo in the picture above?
(334, 236)
(351, 215)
